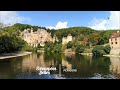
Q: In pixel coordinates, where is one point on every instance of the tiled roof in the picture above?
(114, 35)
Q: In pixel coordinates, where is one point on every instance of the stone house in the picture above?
(114, 42)
(38, 37)
(65, 40)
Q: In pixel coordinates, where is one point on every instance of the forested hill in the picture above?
(80, 33)
(21, 27)
(85, 34)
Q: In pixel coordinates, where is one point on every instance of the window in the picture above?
(115, 42)
(115, 39)
(112, 46)
(111, 42)
(111, 39)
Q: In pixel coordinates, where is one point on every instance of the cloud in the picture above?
(104, 24)
(11, 17)
(59, 25)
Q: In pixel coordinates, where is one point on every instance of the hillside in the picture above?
(83, 34)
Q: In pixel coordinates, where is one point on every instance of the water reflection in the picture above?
(87, 66)
(115, 66)
(30, 62)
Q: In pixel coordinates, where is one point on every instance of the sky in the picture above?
(99, 20)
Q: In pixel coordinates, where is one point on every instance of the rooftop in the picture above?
(115, 34)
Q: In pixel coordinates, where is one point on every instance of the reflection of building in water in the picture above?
(115, 65)
(32, 61)
(70, 55)
(66, 63)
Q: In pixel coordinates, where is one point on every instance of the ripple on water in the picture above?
(36, 76)
(57, 76)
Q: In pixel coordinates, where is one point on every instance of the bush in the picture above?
(79, 49)
(69, 45)
(107, 49)
(57, 48)
(29, 48)
(101, 50)
(10, 44)
(49, 46)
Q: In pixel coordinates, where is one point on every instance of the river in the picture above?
(68, 66)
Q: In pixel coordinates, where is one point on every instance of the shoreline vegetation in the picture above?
(85, 41)
(12, 55)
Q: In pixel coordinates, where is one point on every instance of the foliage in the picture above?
(57, 48)
(83, 36)
(101, 50)
(107, 49)
(69, 44)
(10, 44)
(79, 49)
(21, 27)
(49, 46)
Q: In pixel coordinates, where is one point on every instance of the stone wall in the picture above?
(65, 40)
(115, 52)
(35, 38)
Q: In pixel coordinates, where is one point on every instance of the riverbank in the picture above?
(12, 55)
(88, 54)
(108, 55)
(69, 51)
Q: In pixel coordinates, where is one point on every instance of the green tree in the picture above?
(107, 49)
(79, 49)
(57, 48)
(100, 50)
(69, 44)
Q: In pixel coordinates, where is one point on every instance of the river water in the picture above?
(68, 66)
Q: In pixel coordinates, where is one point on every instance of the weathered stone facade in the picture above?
(65, 40)
(114, 43)
(38, 37)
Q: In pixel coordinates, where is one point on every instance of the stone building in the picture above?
(38, 37)
(114, 42)
(65, 40)
(55, 39)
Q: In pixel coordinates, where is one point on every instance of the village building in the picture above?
(67, 39)
(55, 39)
(114, 42)
(35, 38)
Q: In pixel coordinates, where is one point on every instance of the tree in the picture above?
(79, 49)
(101, 41)
(57, 48)
(107, 49)
(101, 50)
(69, 44)
(10, 44)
